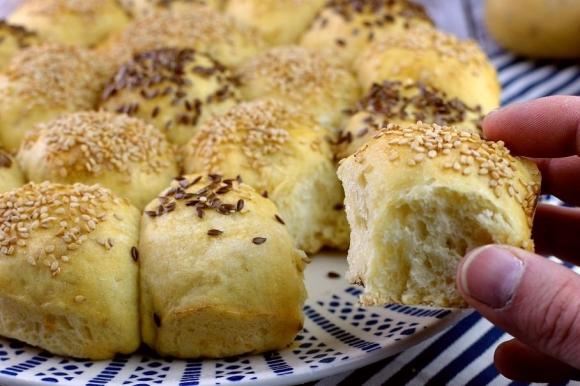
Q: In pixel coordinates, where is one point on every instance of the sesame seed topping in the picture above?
(97, 142)
(80, 299)
(60, 209)
(468, 154)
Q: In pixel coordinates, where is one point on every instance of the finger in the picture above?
(546, 127)
(561, 178)
(526, 295)
(556, 232)
(522, 363)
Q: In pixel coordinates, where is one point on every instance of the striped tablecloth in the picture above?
(463, 355)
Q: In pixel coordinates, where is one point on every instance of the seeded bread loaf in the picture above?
(344, 28)
(271, 17)
(536, 28)
(144, 8)
(220, 275)
(123, 154)
(304, 78)
(419, 197)
(83, 23)
(44, 82)
(14, 39)
(423, 54)
(174, 89)
(404, 102)
(282, 153)
(205, 30)
(10, 175)
(68, 278)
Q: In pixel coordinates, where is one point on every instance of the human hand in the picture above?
(530, 297)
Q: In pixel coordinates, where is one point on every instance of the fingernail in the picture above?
(491, 275)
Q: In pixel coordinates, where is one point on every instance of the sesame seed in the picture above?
(80, 299)
(135, 254)
(214, 232)
(279, 219)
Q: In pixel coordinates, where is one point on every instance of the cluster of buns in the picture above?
(179, 166)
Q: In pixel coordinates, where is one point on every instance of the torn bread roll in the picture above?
(419, 197)
(14, 39)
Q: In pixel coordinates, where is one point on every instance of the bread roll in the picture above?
(219, 273)
(144, 8)
(304, 78)
(283, 154)
(42, 83)
(68, 282)
(10, 174)
(123, 154)
(419, 197)
(271, 17)
(174, 89)
(434, 58)
(536, 28)
(14, 39)
(404, 102)
(345, 27)
(75, 22)
(203, 29)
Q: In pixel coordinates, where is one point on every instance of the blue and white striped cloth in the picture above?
(463, 355)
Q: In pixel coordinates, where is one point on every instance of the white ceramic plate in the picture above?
(337, 336)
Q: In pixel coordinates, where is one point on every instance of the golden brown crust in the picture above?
(174, 89)
(205, 30)
(13, 39)
(69, 213)
(216, 232)
(77, 22)
(122, 153)
(303, 78)
(404, 102)
(466, 154)
(458, 67)
(345, 27)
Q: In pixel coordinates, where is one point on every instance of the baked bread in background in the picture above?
(440, 60)
(345, 27)
(83, 23)
(176, 90)
(220, 275)
(201, 28)
(304, 78)
(123, 154)
(282, 153)
(14, 39)
(418, 197)
(44, 82)
(10, 174)
(404, 102)
(68, 279)
(280, 21)
(536, 28)
(142, 8)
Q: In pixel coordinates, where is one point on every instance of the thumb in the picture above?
(528, 296)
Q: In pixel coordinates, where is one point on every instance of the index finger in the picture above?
(546, 127)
